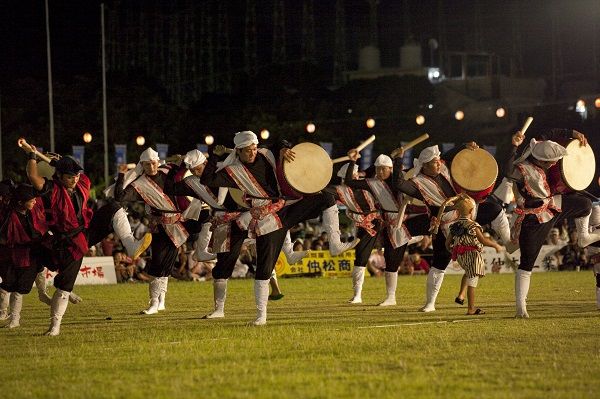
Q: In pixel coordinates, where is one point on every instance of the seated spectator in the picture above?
(298, 246)
(420, 265)
(406, 267)
(554, 238)
(125, 268)
(572, 256)
(376, 263)
(317, 245)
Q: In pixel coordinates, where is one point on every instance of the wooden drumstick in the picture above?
(359, 148)
(416, 141)
(365, 143)
(526, 125)
(24, 144)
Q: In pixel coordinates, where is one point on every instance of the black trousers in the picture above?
(164, 254)
(487, 211)
(533, 233)
(393, 256)
(19, 279)
(67, 274)
(101, 223)
(269, 246)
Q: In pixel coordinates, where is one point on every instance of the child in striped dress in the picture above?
(465, 241)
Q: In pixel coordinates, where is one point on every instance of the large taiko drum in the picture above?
(474, 172)
(575, 171)
(311, 169)
(239, 197)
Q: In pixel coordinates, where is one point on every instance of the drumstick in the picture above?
(342, 159)
(23, 143)
(416, 141)
(526, 125)
(365, 143)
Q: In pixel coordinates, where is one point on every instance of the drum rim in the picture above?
(462, 184)
(320, 149)
(575, 143)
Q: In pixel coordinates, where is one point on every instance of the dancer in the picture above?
(433, 185)
(253, 171)
(539, 208)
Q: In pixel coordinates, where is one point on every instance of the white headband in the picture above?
(244, 139)
(428, 154)
(149, 155)
(194, 158)
(384, 160)
(342, 172)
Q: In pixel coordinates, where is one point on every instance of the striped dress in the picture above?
(466, 248)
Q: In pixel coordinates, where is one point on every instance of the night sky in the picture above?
(75, 27)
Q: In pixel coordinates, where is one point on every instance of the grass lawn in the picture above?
(315, 345)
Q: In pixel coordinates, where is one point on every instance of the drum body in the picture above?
(575, 172)
(311, 169)
(474, 172)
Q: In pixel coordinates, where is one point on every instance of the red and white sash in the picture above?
(362, 217)
(204, 196)
(390, 208)
(264, 211)
(536, 186)
(154, 197)
(433, 195)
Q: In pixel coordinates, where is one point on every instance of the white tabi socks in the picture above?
(16, 303)
(434, 283)
(391, 281)
(522, 278)
(122, 229)
(60, 301)
(501, 226)
(220, 294)
(154, 289)
(331, 224)
(358, 278)
(261, 296)
(164, 283)
(40, 285)
(584, 237)
(288, 250)
(201, 253)
(4, 303)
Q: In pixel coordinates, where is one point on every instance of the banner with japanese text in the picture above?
(94, 270)
(317, 263)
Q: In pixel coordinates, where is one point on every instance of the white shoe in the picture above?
(216, 314)
(13, 323)
(154, 289)
(152, 309)
(295, 257)
(203, 256)
(522, 315)
(427, 309)
(4, 315)
(388, 302)
(355, 299)
(74, 298)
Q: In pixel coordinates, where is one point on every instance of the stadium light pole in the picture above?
(49, 57)
(1, 163)
(104, 122)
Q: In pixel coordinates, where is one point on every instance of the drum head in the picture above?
(474, 170)
(578, 166)
(238, 197)
(310, 171)
(45, 170)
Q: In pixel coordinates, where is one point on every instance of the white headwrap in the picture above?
(342, 172)
(384, 160)
(425, 156)
(241, 140)
(148, 155)
(194, 158)
(548, 150)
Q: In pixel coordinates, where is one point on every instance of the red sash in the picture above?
(17, 237)
(64, 218)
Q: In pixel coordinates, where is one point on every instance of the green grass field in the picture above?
(315, 345)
